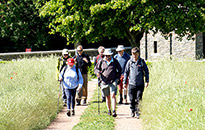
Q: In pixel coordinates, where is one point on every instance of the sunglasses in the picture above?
(79, 50)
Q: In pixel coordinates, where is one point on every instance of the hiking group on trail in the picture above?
(120, 71)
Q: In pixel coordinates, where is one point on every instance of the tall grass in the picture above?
(174, 99)
(28, 94)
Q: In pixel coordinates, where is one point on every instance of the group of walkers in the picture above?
(122, 70)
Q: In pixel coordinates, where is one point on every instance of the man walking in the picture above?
(136, 69)
(83, 61)
(109, 70)
(122, 58)
(60, 64)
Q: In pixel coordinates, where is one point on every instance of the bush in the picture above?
(91, 73)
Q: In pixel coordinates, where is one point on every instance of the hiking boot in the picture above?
(126, 102)
(68, 113)
(103, 99)
(137, 115)
(132, 114)
(109, 113)
(77, 102)
(84, 102)
(73, 112)
(64, 103)
(114, 113)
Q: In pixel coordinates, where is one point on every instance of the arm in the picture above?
(146, 70)
(126, 72)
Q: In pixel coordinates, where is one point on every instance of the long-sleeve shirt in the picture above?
(70, 78)
(82, 65)
(136, 70)
(122, 60)
(109, 71)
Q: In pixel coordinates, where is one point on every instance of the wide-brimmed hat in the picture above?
(70, 61)
(107, 52)
(120, 48)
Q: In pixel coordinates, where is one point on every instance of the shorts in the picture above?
(109, 88)
(121, 83)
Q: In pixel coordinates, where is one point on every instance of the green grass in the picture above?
(91, 120)
(28, 94)
(174, 88)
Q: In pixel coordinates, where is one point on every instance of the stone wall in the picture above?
(179, 49)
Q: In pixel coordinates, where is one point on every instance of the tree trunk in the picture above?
(134, 37)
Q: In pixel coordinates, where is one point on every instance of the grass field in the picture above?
(28, 94)
(175, 97)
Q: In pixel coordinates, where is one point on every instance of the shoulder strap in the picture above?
(64, 71)
(76, 68)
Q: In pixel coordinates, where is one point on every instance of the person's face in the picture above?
(71, 66)
(80, 50)
(65, 55)
(135, 55)
(101, 52)
(120, 52)
(108, 57)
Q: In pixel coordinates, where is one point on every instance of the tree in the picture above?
(21, 24)
(94, 20)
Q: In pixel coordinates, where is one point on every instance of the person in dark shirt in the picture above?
(108, 70)
(135, 70)
(82, 62)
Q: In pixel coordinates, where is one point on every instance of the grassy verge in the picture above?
(174, 99)
(28, 94)
(91, 120)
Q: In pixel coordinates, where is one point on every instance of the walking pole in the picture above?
(59, 97)
(99, 96)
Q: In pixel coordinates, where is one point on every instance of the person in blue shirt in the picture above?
(122, 58)
(72, 81)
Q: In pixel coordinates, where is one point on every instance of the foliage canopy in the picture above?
(94, 20)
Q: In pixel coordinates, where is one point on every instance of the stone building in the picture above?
(156, 47)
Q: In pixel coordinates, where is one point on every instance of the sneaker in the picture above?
(120, 102)
(73, 112)
(109, 113)
(126, 102)
(68, 112)
(132, 114)
(84, 102)
(103, 99)
(64, 103)
(77, 102)
(137, 115)
(114, 113)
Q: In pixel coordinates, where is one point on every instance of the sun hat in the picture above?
(65, 51)
(70, 61)
(107, 52)
(120, 48)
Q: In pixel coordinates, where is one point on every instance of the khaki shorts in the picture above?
(109, 88)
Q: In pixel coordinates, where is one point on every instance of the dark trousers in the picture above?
(70, 94)
(135, 94)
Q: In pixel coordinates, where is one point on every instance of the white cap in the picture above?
(107, 52)
(65, 51)
(120, 48)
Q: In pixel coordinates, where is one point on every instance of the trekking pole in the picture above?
(59, 97)
(99, 96)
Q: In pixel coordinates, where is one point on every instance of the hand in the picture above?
(79, 89)
(85, 59)
(146, 85)
(60, 80)
(98, 75)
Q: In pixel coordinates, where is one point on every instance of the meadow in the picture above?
(28, 93)
(174, 99)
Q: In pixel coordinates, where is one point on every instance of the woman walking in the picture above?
(72, 80)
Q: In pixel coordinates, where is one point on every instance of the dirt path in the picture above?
(124, 121)
(63, 122)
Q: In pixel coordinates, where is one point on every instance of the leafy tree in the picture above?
(94, 20)
(21, 24)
